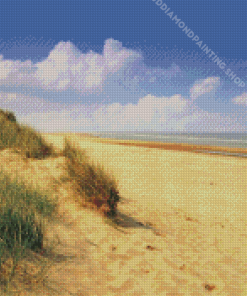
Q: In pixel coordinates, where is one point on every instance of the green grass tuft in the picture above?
(21, 230)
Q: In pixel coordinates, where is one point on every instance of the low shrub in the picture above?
(91, 182)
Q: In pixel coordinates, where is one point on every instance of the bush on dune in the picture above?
(33, 144)
(22, 138)
(91, 181)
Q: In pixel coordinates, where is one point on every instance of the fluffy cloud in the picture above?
(115, 71)
(16, 73)
(204, 86)
(203, 121)
(241, 100)
(22, 104)
(66, 67)
(150, 113)
(58, 121)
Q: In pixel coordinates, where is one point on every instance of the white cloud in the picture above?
(54, 71)
(22, 104)
(66, 67)
(116, 56)
(17, 73)
(204, 86)
(241, 100)
(58, 121)
(150, 113)
(203, 121)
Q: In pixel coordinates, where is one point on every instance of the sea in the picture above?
(231, 140)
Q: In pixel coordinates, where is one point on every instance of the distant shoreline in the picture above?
(212, 150)
(205, 149)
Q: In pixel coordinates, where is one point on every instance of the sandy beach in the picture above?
(183, 222)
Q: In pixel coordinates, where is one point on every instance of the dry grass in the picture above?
(22, 138)
(24, 209)
(91, 182)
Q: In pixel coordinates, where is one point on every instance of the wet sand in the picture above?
(176, 146)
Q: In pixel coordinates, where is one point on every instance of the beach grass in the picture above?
(22, 139)
(90, 181)
(25, 210)
(22, 209)
(26, 214)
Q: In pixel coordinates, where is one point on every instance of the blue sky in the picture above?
(125, 65)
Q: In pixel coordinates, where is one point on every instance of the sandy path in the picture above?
(184, 234)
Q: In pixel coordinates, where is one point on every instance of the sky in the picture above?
(126, 65)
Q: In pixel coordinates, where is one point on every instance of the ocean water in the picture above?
(232, 140)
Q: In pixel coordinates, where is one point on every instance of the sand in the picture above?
(183, 216)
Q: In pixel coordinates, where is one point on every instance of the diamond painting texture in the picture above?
(123, 147)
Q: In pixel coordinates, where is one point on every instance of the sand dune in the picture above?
(183, 218)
